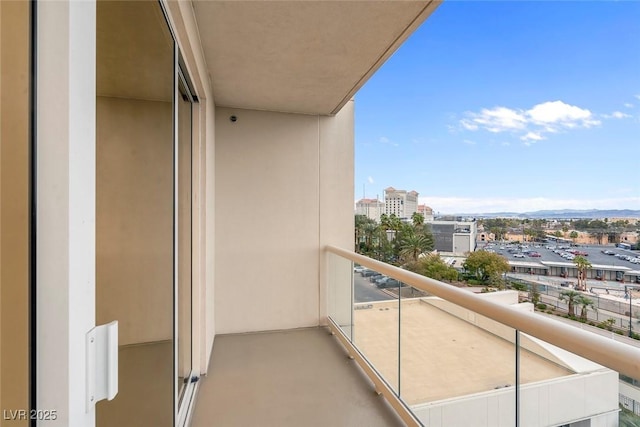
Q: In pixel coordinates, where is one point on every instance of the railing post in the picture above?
(517, 378)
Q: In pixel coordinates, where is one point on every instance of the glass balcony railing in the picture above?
(445, 356)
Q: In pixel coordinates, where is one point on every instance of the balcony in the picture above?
(287, 378)
(447, 359)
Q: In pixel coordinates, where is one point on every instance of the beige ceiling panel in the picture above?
(299, 56)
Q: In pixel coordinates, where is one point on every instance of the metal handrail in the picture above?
(615, 355)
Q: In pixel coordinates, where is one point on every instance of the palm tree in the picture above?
(384, 221)
(571, 298)
(582, 265)
(573, 235)
(412, 245)
(584, 303)
(418, 219)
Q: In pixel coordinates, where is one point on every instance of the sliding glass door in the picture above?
(144, 212)
(16, 243)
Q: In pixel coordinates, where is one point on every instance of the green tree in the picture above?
(558, 233)
(365, 234)
(534, 294)
(390, 222)
(417, 219)
(412, 245)
(582, 265)
(573, 235)
(487, 267)
(571, 297)
(433, 266)
(584, 303)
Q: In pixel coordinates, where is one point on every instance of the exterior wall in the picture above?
(462, 243)
(207, 294)
(336, 190)
(411, 204)
(371, 208)
(590, 394)
(268, 266)
(556, 402)
(630, 397)
(443, 236)
(426, 211)
(134, 222)
(400, 203)
(447, 239)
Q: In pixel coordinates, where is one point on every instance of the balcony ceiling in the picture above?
(300, 56)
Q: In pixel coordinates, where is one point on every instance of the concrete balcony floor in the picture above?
(299, 377)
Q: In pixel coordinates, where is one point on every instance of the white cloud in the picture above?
(370, 180)
(557, 113)
(451, 205)
(531, 124)
(532, 136)
(469, 142)
(637, 96)
(628, 105)
(616, 115)
(499, 119)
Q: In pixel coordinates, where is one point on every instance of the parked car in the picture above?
(367, 273)
(375, 276)
(518, 255)
(380, 279)
(534, 254)
(391, 283)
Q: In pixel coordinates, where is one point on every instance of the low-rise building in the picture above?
(426, 212)
(453, 236)
(371, 208)
(458, 368)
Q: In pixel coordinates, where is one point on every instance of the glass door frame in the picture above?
(182, 401)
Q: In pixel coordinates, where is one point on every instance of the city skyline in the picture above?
(483, 114)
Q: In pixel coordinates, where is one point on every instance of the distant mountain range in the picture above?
(562, 214)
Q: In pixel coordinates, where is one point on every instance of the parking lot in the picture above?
(538, 252)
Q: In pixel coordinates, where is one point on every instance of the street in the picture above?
(365, 291)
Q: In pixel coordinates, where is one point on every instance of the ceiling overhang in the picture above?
(300, 56)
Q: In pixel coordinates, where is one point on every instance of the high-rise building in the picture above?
(400, 203)
(426, 212)
(371, 208)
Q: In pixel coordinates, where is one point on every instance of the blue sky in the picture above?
(508, 106)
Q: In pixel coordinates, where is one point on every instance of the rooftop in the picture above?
(442, 355)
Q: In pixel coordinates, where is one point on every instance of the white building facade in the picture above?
(426, 211)
(400, 203)
(371, 208)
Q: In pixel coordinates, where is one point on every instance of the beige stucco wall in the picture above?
(298, 169)
(336, 188)
(134, 218)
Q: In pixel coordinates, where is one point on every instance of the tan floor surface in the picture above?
(289, 378)
(441, 356)
(145, 388)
